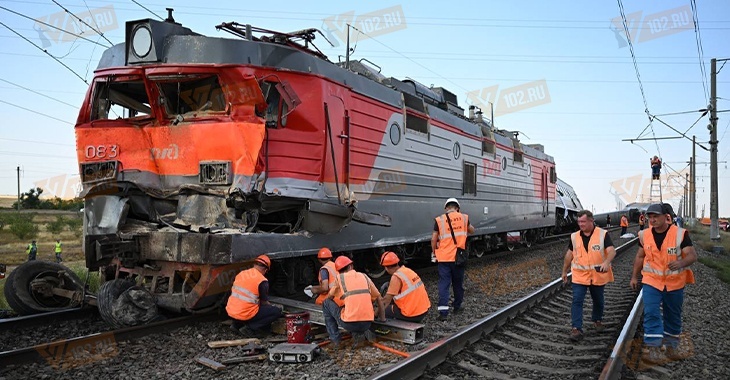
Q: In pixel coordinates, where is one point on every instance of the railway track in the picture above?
(529, 338)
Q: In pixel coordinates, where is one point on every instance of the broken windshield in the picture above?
(120, 99)
(185, 94)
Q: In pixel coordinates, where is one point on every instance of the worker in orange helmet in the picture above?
(327, 276)
(405, 289)
(357, 314)
(249, 304)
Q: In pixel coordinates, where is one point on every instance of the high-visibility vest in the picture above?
(412, 298)
(243, 304)
(27, 250)
(656, 270)
(624, 221)
(586, 259)
(446, 251)
(355, 289)
(331, 280)
(58, 247)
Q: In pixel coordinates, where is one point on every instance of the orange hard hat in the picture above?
(389, 259)
(324, 253)
(341, 262)
(264, 260)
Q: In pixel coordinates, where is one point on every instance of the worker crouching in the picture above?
(249, 304)
(357, 292)
(405, 290)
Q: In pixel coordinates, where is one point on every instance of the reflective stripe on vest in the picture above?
(247, 296)
(446, 251)
(358, 302)
(346, 293)
(410, 285)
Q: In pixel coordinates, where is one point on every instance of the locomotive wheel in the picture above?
(122, 303)
(28, 287)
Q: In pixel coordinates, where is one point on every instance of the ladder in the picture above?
(655, 192)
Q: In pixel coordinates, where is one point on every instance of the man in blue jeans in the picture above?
(449, 233)
(589, 256)
(665, 252)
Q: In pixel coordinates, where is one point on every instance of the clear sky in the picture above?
(592, 97)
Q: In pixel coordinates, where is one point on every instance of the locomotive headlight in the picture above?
(141, 41)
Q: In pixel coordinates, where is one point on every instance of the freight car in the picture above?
(197, 154)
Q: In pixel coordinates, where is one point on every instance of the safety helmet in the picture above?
(324, 253)
(341, 262)
(452, 200)
(263, 260)
(389, 259)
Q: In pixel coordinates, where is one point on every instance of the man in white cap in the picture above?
(449, 233)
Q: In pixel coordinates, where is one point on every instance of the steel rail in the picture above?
(70, 352)
(616, 362)
(439, 351)
(43, 318)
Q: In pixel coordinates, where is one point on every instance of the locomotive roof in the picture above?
(180, 45)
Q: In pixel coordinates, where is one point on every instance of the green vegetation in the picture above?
(23, 227)
(3, 302)
(722, 265)
(701, 238)
(56, 226)
(31, 200)
(74, 224)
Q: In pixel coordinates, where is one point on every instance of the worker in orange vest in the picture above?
(624, 224)
(664, 255)
(590, 252)
(642, 221)
(405, 290)
(358, 293)
(656, 167)
(327, 276)
(249, 304)
(450, 231)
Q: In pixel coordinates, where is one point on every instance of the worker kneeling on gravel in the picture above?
(664, 255)
(358, 293)
(405, 290)
(249, 304)
(590, 252)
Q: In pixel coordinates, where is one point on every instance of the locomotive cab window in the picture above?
(553, 175)
(188, 95)
(120, 99)
(469, 184)
(517, 156)
(280, 102)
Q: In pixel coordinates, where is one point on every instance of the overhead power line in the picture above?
(48, 25)
(45, 51)
(39, 93)
(36, 112)
(84, 22)
(147, 9)
(700, 51)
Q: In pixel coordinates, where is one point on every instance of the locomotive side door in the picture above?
(336, 170)
(544, 191)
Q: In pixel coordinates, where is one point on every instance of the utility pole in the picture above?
(693, 184)
(714, 209)
(685, 209)
(18, 170)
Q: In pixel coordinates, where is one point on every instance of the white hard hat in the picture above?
(452, 200)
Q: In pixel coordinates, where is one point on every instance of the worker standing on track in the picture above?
(664, 255)
(58, 250)
(327, 275)
(358, 293)
(406, 290)
(249, 304)
(31, 250)
(624, 224)
(449, 233)
(589, 256)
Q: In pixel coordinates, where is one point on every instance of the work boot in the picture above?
(674, 353)
(443, 317)
(370, 336)
(357, 339)
(458, 310)
(576, 335)
(598, 326)
(653, 355)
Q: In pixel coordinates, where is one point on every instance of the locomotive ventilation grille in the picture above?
(215, 173)
(98, 171)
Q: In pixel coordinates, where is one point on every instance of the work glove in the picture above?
(308, 291)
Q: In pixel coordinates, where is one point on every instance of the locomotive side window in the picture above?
(489, 147)
(553, 175)
(416, 114)
(469, 184)
(191, 93)
(517, 156)
(277, 107)
(120, 99)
